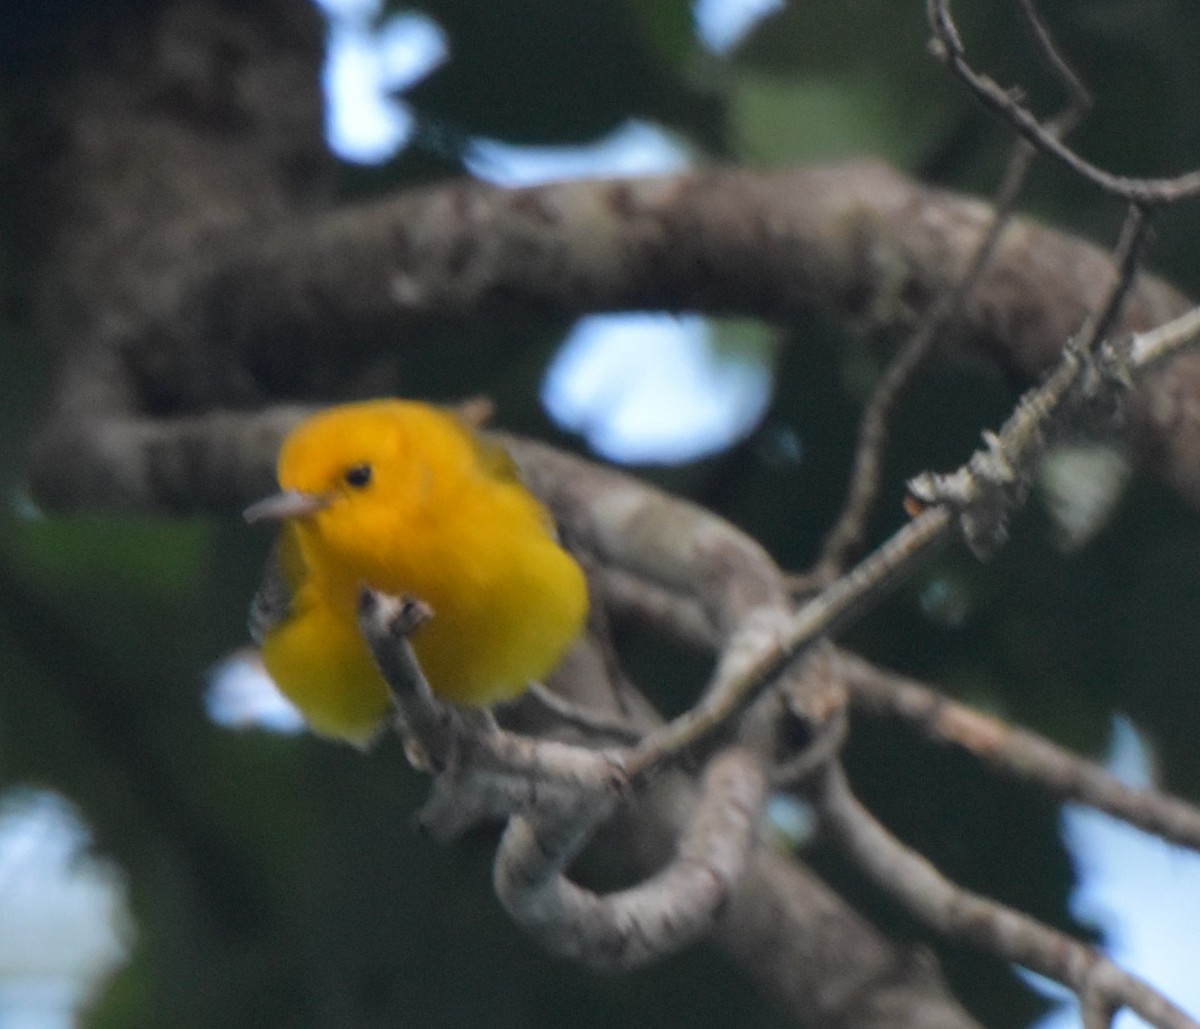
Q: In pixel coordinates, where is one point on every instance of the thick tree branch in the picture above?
(641, 531)
(859, 241)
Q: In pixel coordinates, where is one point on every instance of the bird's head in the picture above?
(355, 473)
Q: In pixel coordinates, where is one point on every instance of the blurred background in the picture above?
(174, 850)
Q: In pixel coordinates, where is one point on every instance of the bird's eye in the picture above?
(358, 475)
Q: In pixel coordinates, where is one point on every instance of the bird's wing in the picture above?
(495, 460)
(275, 599)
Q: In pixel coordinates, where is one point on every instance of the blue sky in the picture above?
(1143, 893)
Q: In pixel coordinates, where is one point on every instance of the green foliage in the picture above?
(784, 117)
(549, 71)
(666, 27)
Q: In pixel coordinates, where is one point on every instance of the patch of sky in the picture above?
(653, 388)
(722, 24)
(1141, 892)
(65, 926)
(241, 695)
(634, 148)
(368, 62)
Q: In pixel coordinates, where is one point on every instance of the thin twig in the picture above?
(754, 659)
(594, 724)
(675, 615)
(846, 537)
(484, 770)
(1127, 256)
(824, 748)
(1080, 96)
(848, 533)
(947, 46)
(1147, 349)
(1013, 752)
(961, 914)
(977, 500)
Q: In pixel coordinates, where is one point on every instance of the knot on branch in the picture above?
(1087, 386)
(984, 493)
(553, 796)
(633, 927)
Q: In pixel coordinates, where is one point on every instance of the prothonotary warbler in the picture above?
(407, 499)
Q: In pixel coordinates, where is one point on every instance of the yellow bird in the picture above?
(408, 499)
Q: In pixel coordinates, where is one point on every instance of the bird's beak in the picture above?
(288, 504)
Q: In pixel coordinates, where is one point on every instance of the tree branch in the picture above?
(960, 914)
(1013, 752)
(948, 47)
(859, 241)
(790, 932)
(632, 927)
(846, 538)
